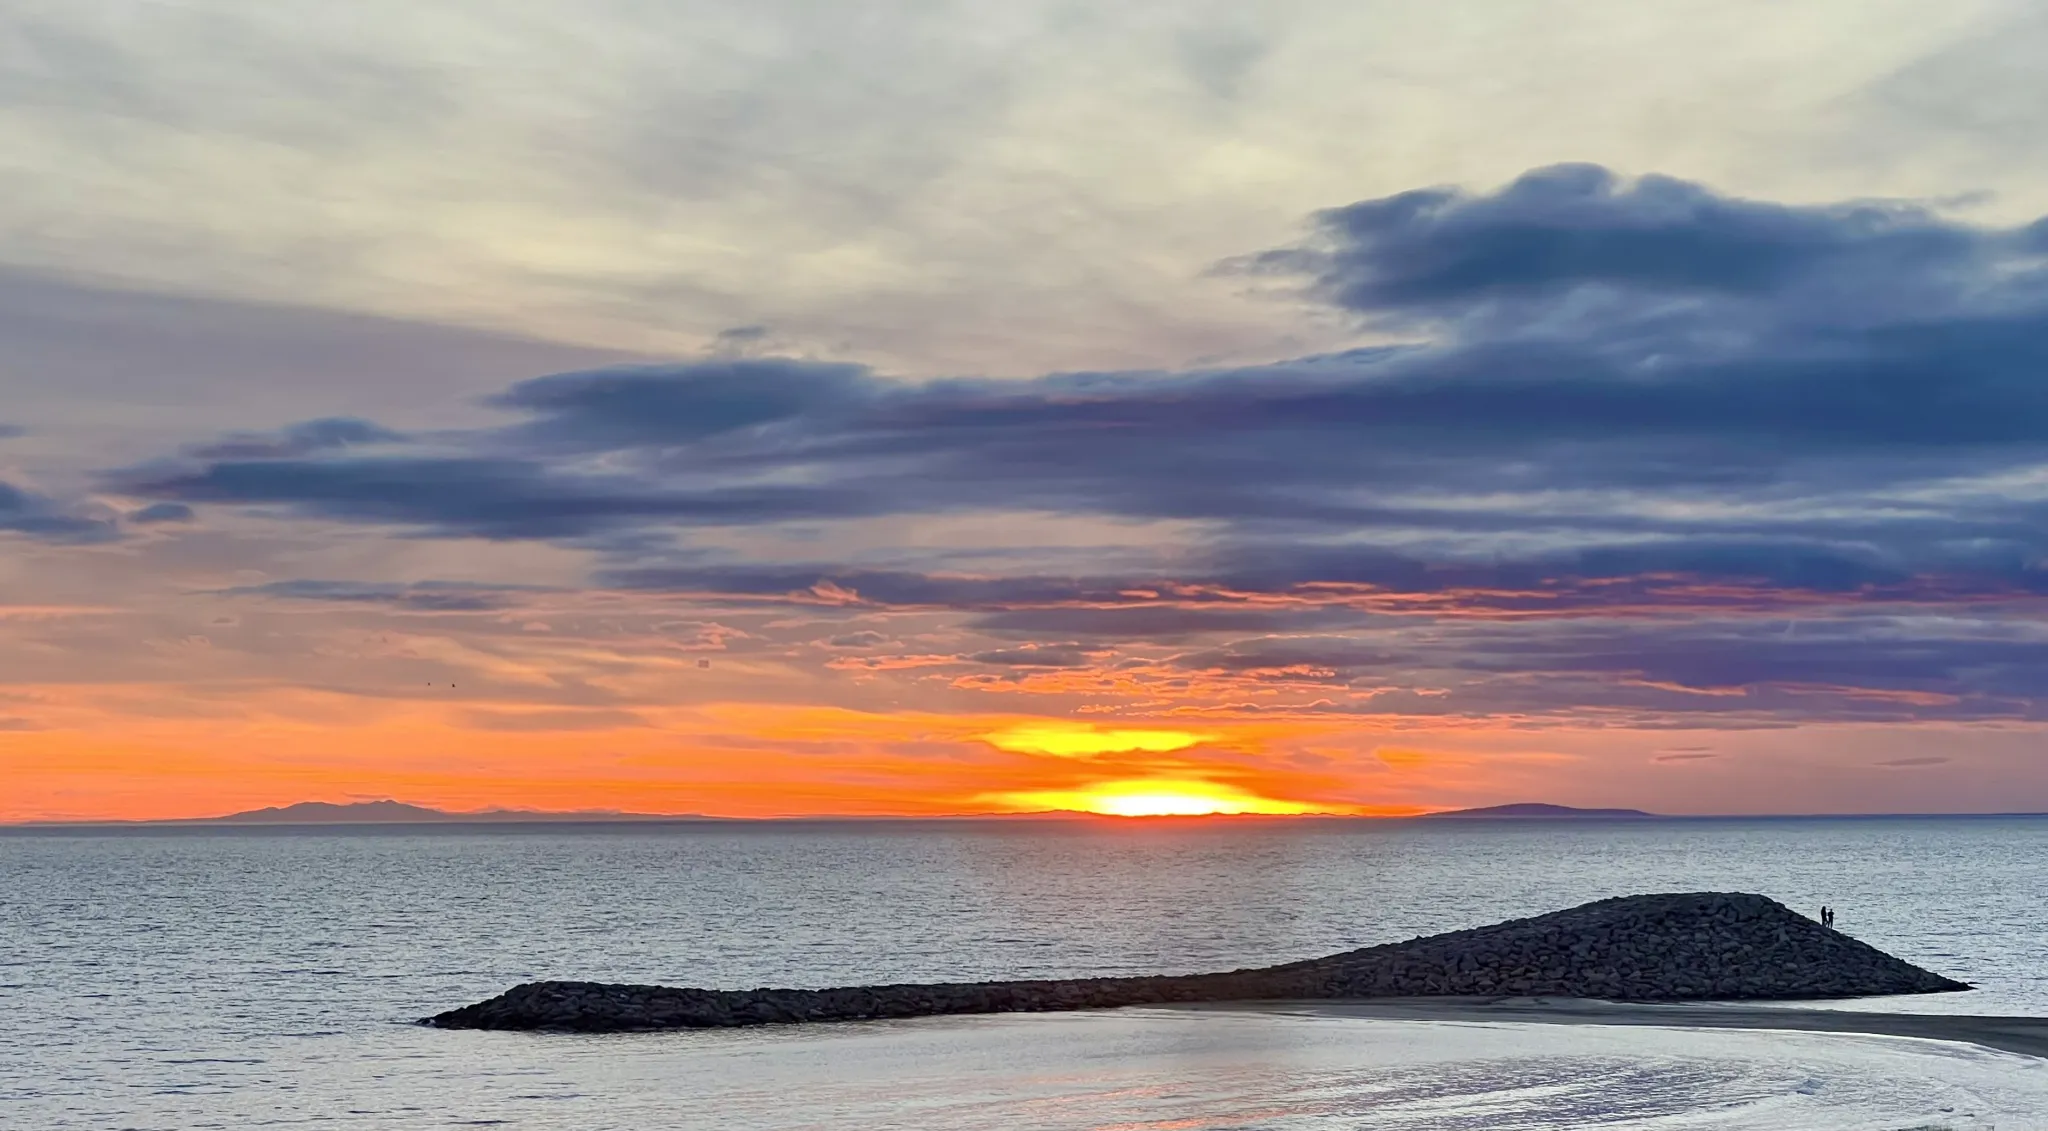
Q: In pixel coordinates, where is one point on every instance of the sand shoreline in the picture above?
(2027, 1036)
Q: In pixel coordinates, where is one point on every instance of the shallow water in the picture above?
(229, 978)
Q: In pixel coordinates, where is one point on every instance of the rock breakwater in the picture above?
(1674, 947)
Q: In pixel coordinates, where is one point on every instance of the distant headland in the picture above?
(1537, 811)
(396, 812)
(388, 812)
(1692, 946)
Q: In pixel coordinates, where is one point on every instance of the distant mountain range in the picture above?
(388, 812)
(1536, 811)
(398, 812)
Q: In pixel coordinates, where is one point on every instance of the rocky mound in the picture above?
(1694, 946)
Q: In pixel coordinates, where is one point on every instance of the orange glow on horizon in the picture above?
(125, 752)
(1158, 798)
(1064, 740)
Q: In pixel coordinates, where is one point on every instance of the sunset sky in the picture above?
(808, 407)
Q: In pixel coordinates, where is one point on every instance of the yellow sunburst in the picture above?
(1155, 798)
(1080, 741)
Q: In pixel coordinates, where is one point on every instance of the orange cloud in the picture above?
(1403, 759)
(1157, 798)
(1079, 740)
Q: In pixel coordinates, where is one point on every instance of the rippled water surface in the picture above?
(231, 978)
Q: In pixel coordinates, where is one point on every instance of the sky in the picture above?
(915, 408)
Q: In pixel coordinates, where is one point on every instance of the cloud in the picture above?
(1641, 447)
(38, 516)
(1038, 656)
(542, 721)
(1079, 741)
(309, 438)
(479, 497)
(812, 582)
(185, 364)
(1443, 251)
(426, 597)
(672, 405)
(1803, 395)
(160, 513)
(1904, 763)
(1741, 670)
(1147, 622)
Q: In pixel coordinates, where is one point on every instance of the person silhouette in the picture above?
(1827, 916)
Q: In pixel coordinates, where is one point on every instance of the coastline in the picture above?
(2026, 1036)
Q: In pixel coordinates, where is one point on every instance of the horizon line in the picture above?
(487, 817)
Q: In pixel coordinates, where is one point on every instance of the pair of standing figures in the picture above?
(1827, 916)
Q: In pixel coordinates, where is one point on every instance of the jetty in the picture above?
(1692, 946)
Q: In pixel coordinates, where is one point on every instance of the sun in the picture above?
(1156, 798)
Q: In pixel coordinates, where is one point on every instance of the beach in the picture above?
(2027, 1036)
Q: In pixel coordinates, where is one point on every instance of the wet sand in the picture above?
(2025, 1035)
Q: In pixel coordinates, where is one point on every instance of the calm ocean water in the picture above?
(239, 978)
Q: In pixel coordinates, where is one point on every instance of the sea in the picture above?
(189, 977)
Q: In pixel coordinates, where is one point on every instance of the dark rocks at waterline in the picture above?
(1678, 947)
